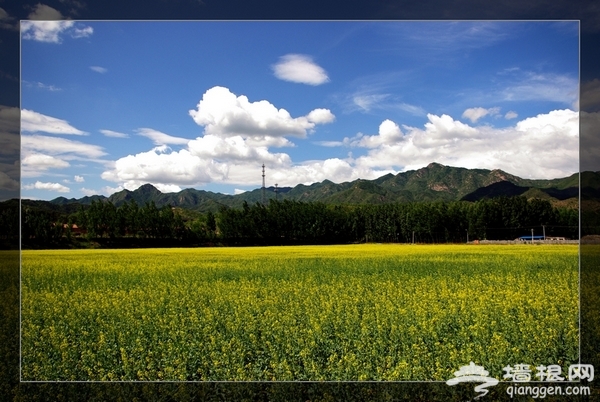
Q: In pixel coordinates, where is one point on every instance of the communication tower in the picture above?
(263, 184)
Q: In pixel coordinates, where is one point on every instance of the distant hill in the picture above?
(431, 183)
(85, 200)
(501, 188)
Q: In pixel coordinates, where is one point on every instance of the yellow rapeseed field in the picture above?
(322, 313)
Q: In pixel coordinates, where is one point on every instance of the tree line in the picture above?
(295, 222)
(425, 222)
(101, 221)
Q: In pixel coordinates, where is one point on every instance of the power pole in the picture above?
(544, 231)
(263, 184)
(275, 191)
(531, 236)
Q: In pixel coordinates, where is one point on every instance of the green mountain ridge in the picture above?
(434, 182)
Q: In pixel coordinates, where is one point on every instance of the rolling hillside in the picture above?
(431, 183)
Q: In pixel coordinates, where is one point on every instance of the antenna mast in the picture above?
(263, 184)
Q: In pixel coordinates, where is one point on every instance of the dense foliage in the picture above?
(427, 222)
(295, 222)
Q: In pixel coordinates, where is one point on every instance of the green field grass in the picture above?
(332, 313)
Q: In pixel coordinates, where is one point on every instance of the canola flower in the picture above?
(318, 313)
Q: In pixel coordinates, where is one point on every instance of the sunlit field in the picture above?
(323, 313)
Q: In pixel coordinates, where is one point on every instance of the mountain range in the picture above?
(434, 182)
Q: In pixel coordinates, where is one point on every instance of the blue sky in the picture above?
(113, 105)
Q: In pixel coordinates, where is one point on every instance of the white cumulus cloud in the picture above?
(441, 129)
(162, 166)
(34, 164)
(229, 161)
(320, 116)
(544, 147)
(43, 162)
(79, 179)
(233, 149)
(45, 25)
(301, 69)
(511, 115)
(224, 114)
(389, 134)
(38, 185)
(306, 172)
(36, 122)
(477, 113)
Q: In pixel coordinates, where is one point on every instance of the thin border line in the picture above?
(286, 21)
